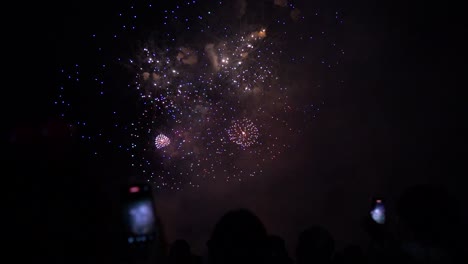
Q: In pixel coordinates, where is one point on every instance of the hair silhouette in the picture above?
(238, 237)
(315, 245)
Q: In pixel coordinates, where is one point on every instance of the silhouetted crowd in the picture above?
(426, 227)
(427, 231)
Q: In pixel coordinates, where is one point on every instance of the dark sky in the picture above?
(393, 124)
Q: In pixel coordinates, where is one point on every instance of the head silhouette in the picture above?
(350, 254)
(429, 213)
(315, 245)
(277, 250)
(238, 237)
(179, 249)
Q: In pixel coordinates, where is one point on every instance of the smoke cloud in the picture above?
(212, 56)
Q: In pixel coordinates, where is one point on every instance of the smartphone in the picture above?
(377, 211)
(139, 214)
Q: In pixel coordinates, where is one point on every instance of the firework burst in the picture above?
(243, 132)
(161, 141)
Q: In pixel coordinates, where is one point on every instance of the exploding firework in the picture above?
(162, 141)
(220, 98)
(243, 132)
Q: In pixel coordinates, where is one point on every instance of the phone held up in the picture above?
(139, 215)
(377, 211)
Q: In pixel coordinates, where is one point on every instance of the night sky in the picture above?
(382, 119)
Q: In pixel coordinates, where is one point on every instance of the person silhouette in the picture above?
(429, 224)
(315, 245)
(180, 253)
(277, 249)
(238, 237)
(351, 254)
